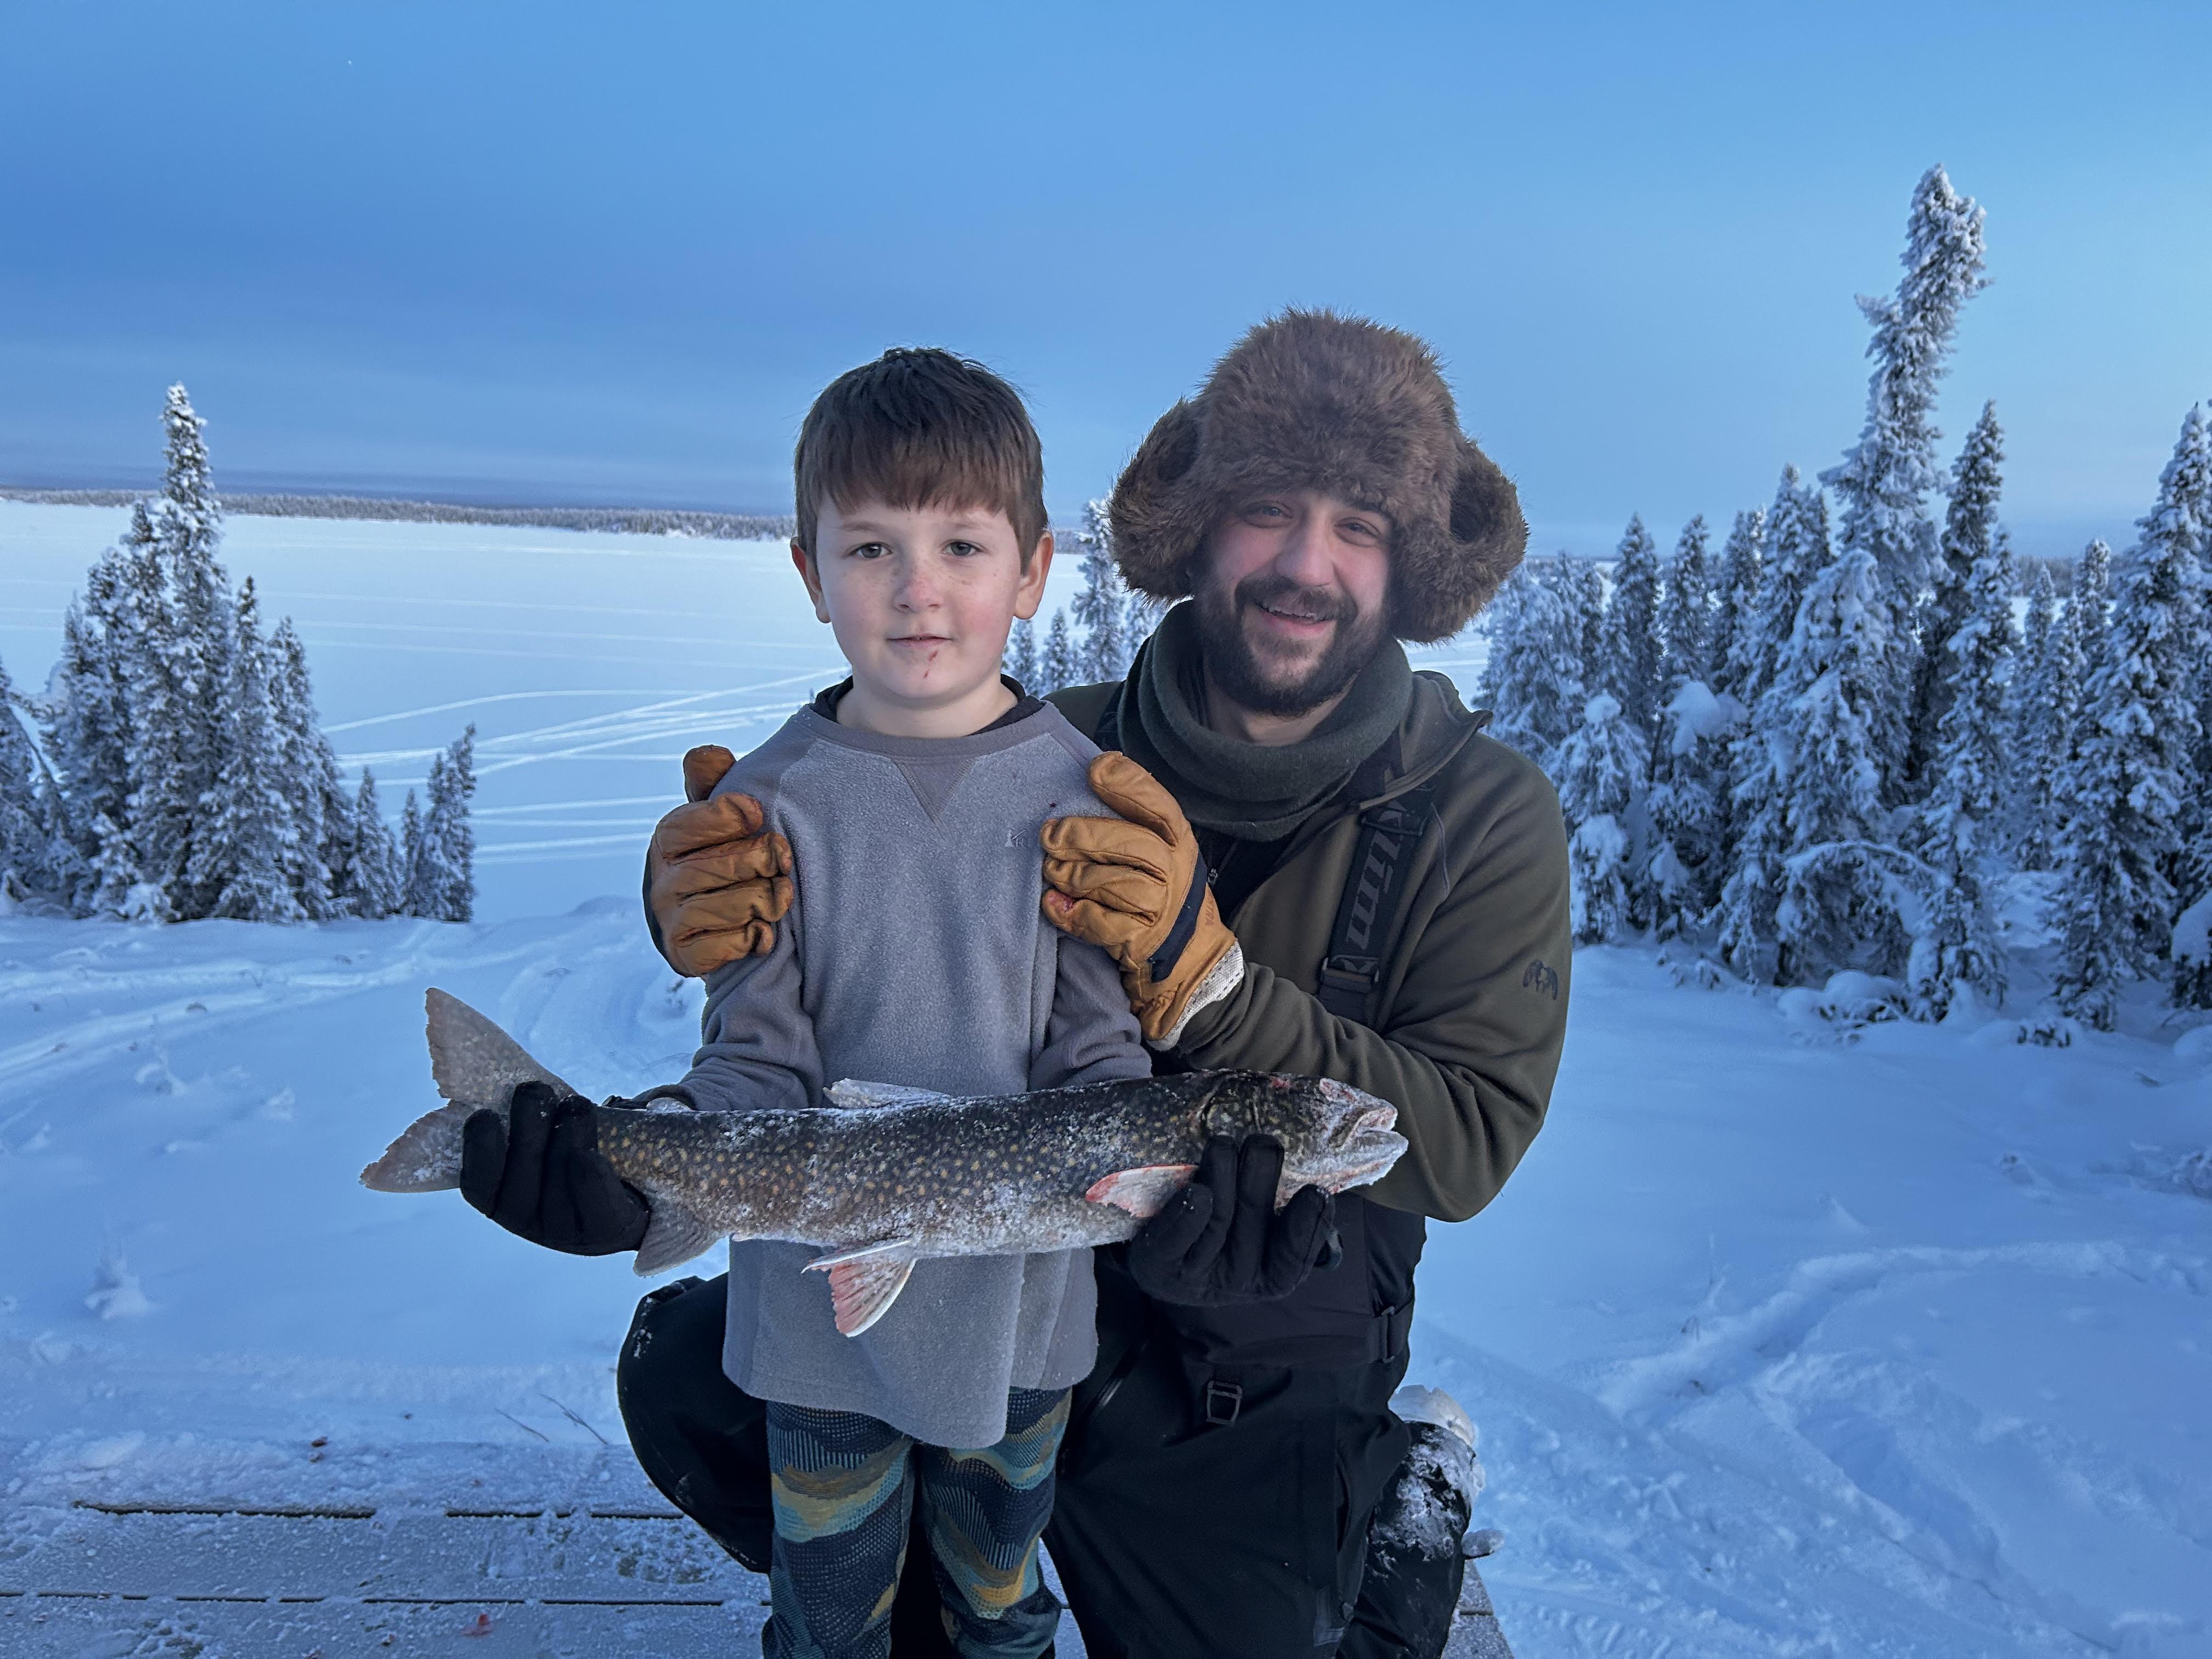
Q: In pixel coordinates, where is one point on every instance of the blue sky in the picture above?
(609, 253)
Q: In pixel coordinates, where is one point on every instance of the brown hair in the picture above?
(920, 427)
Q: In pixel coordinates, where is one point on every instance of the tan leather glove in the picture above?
(1136, 886)
(717, 879)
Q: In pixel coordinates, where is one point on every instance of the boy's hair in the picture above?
(918, 427)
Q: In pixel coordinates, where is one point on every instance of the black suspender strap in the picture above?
(1372, 893)
(1108, 734)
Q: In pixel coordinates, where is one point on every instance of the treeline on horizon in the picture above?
(1832, 750)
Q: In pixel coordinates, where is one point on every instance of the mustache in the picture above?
(1280, 592)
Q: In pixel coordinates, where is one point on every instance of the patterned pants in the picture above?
(844, 1489)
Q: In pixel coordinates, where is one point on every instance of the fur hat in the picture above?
(1310, 400)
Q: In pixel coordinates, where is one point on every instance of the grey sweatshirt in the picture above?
(915, 953)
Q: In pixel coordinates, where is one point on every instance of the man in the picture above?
(1323, 867)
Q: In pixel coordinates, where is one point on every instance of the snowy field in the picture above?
(1788, 1338)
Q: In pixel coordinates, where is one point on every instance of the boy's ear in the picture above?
(1029, 594)
(802, 561)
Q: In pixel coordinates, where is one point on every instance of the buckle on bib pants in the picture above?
(1222, 1401)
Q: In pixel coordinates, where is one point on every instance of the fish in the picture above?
(881, 1176)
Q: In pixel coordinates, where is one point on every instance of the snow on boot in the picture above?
(1414, 1561)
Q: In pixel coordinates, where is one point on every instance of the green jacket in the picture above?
(1472, 997)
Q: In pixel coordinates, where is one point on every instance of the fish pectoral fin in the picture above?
(859, 1092)
(1144, 1193)
(864, 1282)
(674, 1235)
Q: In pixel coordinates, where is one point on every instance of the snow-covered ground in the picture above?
(1788, 1338)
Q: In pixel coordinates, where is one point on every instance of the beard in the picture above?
(1283, 683)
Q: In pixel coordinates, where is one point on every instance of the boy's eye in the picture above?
(870, 550)
(962, 549)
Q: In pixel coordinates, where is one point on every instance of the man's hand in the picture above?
(1221, 1241)
(717, 879)
(541, 1176)
(1136, 886)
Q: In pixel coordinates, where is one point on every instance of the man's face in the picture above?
(1292, 593)
(920, 598)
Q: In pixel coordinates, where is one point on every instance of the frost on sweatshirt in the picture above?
(915, 953)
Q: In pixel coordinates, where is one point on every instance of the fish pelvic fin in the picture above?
(426, 1156)
(1144, 1193)
(473, 1061)
(864, 1282)
(674, 1235)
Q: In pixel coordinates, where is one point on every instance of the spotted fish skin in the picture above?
(994, 1175)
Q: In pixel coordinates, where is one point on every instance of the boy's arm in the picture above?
(757, 1047)
(1090, 1035)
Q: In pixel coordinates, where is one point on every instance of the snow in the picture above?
(1799, 1332)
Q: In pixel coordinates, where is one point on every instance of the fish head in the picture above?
(1333, 1136)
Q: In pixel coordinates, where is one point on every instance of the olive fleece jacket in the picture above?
(915, 952)
(1471, 1000)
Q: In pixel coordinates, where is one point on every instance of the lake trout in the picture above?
(884, 1176)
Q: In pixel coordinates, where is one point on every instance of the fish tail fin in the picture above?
(674, 1235)
(426, 1156)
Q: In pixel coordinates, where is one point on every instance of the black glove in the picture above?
(1220, 1241)
(541, 1176)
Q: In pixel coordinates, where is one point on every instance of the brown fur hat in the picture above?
(1310, 400)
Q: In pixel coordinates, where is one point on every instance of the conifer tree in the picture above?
(413, 896)
(442, 872)
(87, 718)
(1140, 615)
(1601, 773)
(1968, 526)
(2133, 764)
(1021, 659)
(1583, 580)
(1737, 600)
(246, 844)
(1056, 667)
(2048, 678)
(1821, 716)
(1531, 678)
(1689, 758)
(1632, 649)
(1884, 479)
(1101, 610)
(37, 860)
(1795, 549)
(322, 814)
(1958, 829)
(371, 878)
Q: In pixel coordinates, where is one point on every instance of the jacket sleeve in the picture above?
(1471, 1043)
(1090, 1035)
(757, 1047)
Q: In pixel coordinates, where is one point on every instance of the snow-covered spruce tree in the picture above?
(1021, 658)
(1140, 615)
(371, 878)
(1689, 758)
(245, 843)
(195, 634)
(1884, 479)
(443, 874)
(1759, 756)
(2188, 512)
(2134, 756)
(1531, 677)
(2047, 682)
(1736, 593)
(412, 895)
(1583, 582)
(1958, 831)
(1976, 477)
(1056, 665)
(1821, 715)
(322, 812)
(1601, 772)
(38, 863)
(1632, 648)
(1101, 609)
(86, 720)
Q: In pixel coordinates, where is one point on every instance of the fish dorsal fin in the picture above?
(474, 1062)
(674, 1235)
(1144, 1193)
(856, 1091)
(864, 1282)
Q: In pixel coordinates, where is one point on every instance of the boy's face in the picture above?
(920, 598)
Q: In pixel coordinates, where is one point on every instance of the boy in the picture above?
(914, 952)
